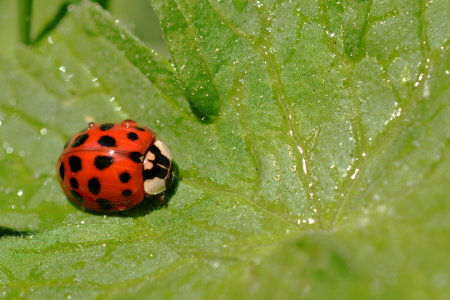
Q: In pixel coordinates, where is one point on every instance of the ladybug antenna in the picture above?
(161, 198)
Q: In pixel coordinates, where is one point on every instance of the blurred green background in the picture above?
(137, 15)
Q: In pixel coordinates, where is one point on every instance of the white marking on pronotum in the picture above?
(157, 185)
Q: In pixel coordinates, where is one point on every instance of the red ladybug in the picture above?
(110, 167)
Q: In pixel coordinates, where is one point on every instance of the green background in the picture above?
(138, 15)
(312, 140)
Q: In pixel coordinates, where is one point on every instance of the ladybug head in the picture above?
(158, 169)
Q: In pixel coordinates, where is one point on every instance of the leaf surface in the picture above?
(311, 137)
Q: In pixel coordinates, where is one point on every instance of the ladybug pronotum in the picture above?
(111, 167)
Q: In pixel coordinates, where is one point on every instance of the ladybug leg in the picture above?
(161, 199)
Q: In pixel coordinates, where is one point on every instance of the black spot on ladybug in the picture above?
(127, 193)
(94, 186)
(80, 140)
(136, 157)
(104, 204)
(74, 183)
(140, 128)
(106, 126)
(107, 141)
(61, 171)
(124, 177)
(132, 136)
(77, 196)
(159, 157)
(156, 171)
(102, 162)
(74, 163)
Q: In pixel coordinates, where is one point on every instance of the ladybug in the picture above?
(111, 167)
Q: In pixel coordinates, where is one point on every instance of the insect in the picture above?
(111, 167)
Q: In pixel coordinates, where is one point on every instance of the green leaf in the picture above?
(194, 68)
(321, 172)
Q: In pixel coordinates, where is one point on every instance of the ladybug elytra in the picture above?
(111, 167)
